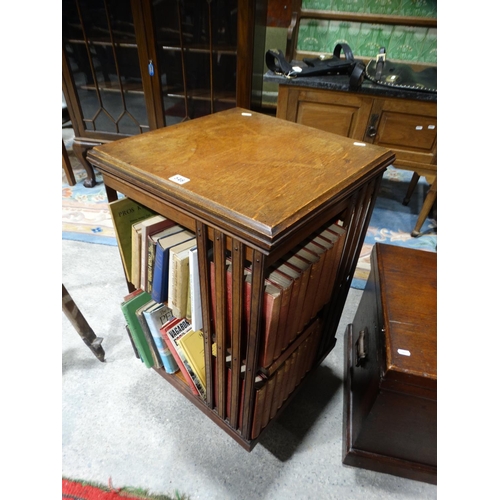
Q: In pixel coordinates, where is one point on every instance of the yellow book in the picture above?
(193, 345)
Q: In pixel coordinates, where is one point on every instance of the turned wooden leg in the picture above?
(80, 148)
(426, 208)
(411, 188)
(66, 165)
(80, 324)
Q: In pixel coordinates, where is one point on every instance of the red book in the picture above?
(172, 332)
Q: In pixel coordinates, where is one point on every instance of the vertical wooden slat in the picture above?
(253, 341)
(360, 212)
(220, 318)
(204, 270)
(238, 282)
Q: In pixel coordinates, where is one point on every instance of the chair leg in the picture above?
(66, 165)
(411, 188)
(426, 208)
(80, 324)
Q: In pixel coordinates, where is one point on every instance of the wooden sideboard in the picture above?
(403, 121)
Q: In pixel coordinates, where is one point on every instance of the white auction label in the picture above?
(179, 179)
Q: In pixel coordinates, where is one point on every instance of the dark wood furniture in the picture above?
(257, 188)
(405, 122)
(81, 325)
(390, 399)
(66, 165)
(130, 66)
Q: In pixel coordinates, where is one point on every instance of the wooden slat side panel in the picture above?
(204, 270)
(238, 262)
(220, 318)
(253, 341)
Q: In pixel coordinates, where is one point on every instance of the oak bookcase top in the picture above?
(243, 169)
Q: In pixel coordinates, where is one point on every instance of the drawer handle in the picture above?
(361, 348)
(371, 131)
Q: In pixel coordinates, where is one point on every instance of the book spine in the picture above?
(272, 308)
(159, 274)
(172, 336)
(151, 261)
(157, 362)
(260, 397)
(168, 360)
(178, 286)
(266, 412)
(138, 337)
(194, 277)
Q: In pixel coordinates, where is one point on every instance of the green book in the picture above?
(129, 307)
(124, 214)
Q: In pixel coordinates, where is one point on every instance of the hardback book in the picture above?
(268, 400)
(194, 290)
(136, 352)
(271, 308)
(260, 397)
(159, 290)
(152, 241)
(336, 234)
(302, 266)
(156, 316)
(276, 401)
(312, 285)
(136, 255)
(150, 226)
(285, 283)
(294, 274)
(323, 296)
(129, 307)
(317, 294)
(157, 362)
(193, 345)
(178, 277)
(124, 213)
(172, 332)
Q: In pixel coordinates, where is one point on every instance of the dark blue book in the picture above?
(159, 292)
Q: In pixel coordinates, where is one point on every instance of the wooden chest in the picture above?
(390, 400)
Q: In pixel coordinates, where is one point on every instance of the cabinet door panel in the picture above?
(407, 131)
(100, 44)
(340, 113)
(331, 118)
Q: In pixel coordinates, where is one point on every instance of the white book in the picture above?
(178, 279)
(194, 290)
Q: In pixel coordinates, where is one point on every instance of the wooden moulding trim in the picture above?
(429, 22)
(261, 237)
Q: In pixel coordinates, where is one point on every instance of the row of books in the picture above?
(272, 391)
(163, 341)
(160, 257)
(296, 288)
(163, 314)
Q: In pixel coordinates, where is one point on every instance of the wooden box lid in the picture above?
(248, 173)
(407, 281)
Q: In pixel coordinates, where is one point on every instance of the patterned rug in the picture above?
(82, 490)
(85, 216)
